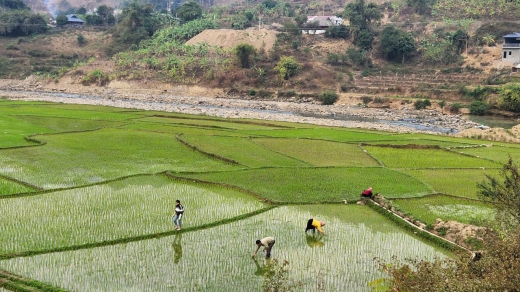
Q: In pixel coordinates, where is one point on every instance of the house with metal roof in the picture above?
(511, 48)
(318, 24)
(75, 20)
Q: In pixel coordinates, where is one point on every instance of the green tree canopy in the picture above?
(509, 98)
(362, 15)
(287, 67)
(81, 10)
(245, 52)
(189, 11)
(62, 20)
(13, 4)
(21, 22)
(269, 4)
(396, 44)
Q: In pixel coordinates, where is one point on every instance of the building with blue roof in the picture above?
(75, 20)
(511, 48)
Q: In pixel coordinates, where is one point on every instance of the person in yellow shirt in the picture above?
(314, 224)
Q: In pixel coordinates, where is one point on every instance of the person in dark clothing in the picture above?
(368, 193)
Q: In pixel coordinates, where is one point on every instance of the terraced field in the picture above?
(87, 195)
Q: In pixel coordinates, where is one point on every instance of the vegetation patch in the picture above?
(207, 123)
(13, 131)
(326, 134)
(130, 207)
(241, 150)
(67, 124)
(426, 158)
(10, 187)
(496, 153)
(83, 158)
(297, 185)
(320, 153)
(195, 256)
(428, 209)
(455, 182)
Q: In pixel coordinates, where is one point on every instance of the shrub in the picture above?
(287, 67)
(478, 108)
(251, 92)
(364, 39)
(509, 98)
(189, 11)
(422, 104)
(245, 52)
(442, 103)
(81, 40)
(96, 76)
(328, 97)
(358, 57)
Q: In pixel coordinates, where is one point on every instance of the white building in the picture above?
(318, 24)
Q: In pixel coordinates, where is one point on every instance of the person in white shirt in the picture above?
(267, 243)
(179, 213)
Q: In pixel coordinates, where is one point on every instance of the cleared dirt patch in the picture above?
(229, 38)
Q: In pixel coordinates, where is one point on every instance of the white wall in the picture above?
(512, 55)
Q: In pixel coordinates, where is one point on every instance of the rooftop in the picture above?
(74, 18)
(513, 35)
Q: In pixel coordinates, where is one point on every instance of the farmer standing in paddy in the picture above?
(179, 213)
(267, 243)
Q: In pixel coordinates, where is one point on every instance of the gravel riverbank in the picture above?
(404, 120)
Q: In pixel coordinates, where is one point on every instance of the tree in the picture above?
(239, 21)
(337, 32)
(21, 22)
(62, 20)
(13, 4)
(364, 39)
(459, 39)
(300, 20)
(421, 6)
(360, 15)
(189, 11)
(509, 98)
(269, 4)
(105, 11)
(287, 67)
(478, 108)
(396, 44)
(245, 52)
(91, 19)
(81, 10)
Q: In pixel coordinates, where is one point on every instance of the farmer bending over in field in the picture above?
(367, 193)
(267, 243)
(179, 213)
(314, 224)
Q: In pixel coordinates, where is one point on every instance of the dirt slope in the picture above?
(228, 38)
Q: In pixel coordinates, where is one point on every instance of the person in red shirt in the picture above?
(367, 193)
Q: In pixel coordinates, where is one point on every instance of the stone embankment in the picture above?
(265, 110)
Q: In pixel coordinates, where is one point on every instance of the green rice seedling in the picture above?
(298, 185)
(211, 259)
(13, 131)
(208, 123)
(456, 182)
(9, 187)
(320, 153)
(419, 142)
(326, 134)
(88, 107)
(496, 153)
(445, 138)
(44, 110)
(426, 158)
(428, 209)
(83, 158)
(67, 124)
(241, 150)
(179, 129)
(127, 208)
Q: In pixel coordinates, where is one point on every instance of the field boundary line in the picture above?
(136, 238)
(68, 118)
(372, 156)
(258, 196)
(214, 156)
(473, 156)
(274, 167)
(269, 149)
(173, 126)
(41, 192)
(20, 182)
(440, 241)
(437, 194)
(18, 283)
(226, 121)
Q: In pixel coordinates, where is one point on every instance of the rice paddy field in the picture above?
(87, 195)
